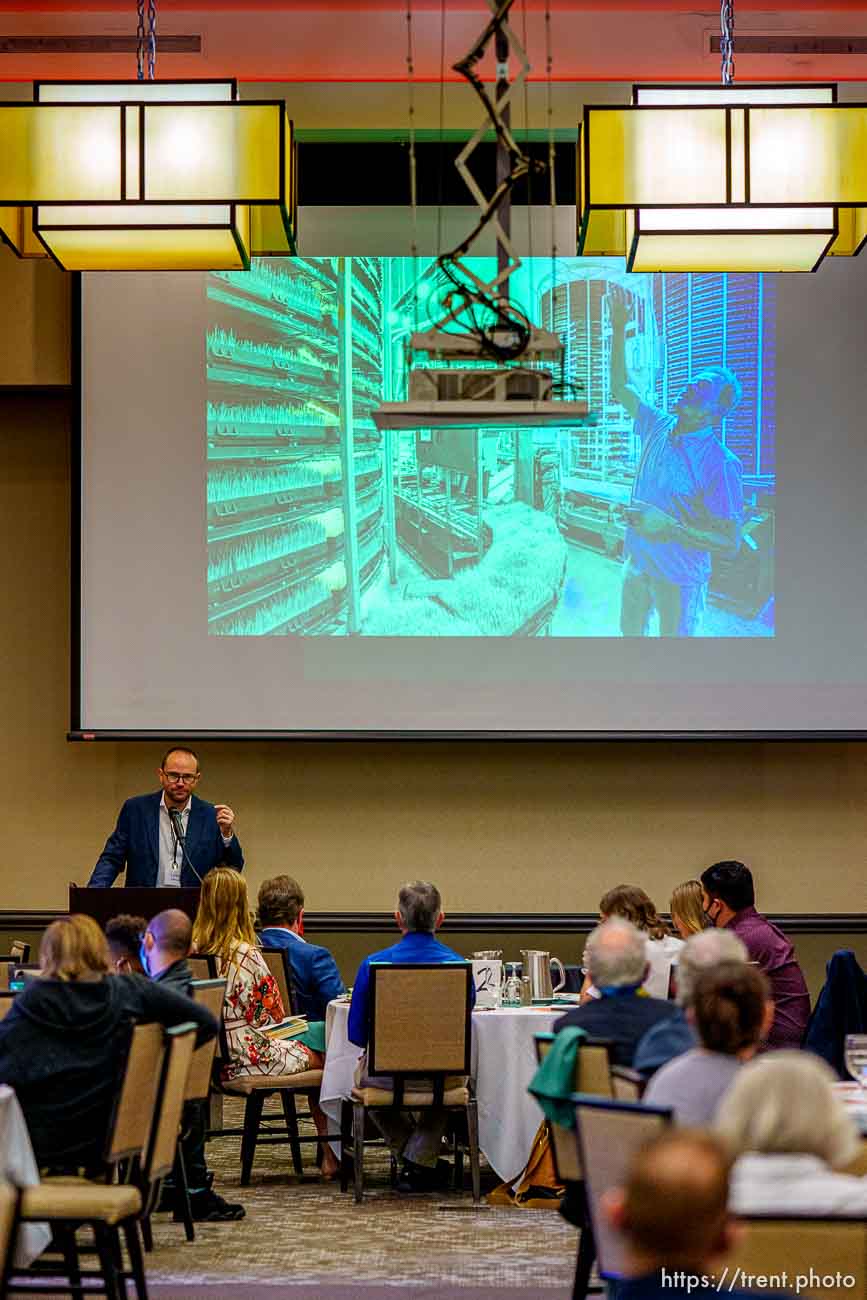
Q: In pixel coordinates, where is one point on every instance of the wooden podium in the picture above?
(103, 904)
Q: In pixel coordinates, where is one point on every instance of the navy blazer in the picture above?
(314, 971)
(134, 844)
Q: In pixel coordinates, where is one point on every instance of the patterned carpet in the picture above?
(306, 1234)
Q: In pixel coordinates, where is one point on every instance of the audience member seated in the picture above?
(670, 1038)
(223, 927)
(124, 934)
(165, 948)
(687, 913)
(673, 1214)
(417, 1139)
(164, 951)
(281, 921)
(616, 960)
(729, 902)
(62, 1043)
(632, 904)
(792, 1138)
(731, 1009)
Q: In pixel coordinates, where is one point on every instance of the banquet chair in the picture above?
(277, 961)
(807, 1249)
(19, 950)
(609, 1134)
(627, 1084)
(420, 1039)
(258, 1128)
(203, 966)
(210, 994)
(9, 1202)
(593, 1077)
(69, 1202)
(146, 1119)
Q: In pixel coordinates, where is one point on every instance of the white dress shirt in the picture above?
(171, 853)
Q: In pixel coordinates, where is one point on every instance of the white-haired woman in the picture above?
(791, 1138)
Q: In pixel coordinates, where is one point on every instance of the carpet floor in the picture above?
(303, 1234)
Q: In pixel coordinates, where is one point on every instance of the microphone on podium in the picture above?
(178, 828)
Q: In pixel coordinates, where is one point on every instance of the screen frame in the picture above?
(77, 733)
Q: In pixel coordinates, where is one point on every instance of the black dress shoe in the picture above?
(208, 1207)
(423, 1178)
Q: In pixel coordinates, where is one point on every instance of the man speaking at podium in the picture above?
(171, 838)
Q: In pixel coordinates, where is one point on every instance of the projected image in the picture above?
(656, 518)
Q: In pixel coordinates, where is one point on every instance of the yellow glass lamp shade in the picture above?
(746, 178)
(147, 176)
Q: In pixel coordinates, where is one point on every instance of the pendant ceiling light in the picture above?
(145, 174)
(723, 178)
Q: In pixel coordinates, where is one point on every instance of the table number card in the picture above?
(488, 979)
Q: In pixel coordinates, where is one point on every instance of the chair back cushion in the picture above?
(420, 1018)
(807, 1252)
(277, 961)
(134, 1106)
(180, 1045)
(609, 1134)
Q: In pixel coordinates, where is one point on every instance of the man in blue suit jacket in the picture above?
(146, 840)
(315, 975)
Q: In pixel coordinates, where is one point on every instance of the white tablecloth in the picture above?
(18, 1165)
(503, 1063)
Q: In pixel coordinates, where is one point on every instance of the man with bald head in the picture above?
(673, 1214)
(165, 947)
(164, 950)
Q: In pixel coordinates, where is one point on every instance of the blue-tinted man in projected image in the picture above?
(687, 499)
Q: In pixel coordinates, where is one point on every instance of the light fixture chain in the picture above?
(727, 41)
(413, 174)
(152, 40)
(140, 40)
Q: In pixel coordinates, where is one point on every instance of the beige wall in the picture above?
(501, 826)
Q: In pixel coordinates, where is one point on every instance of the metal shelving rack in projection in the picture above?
(294, 365)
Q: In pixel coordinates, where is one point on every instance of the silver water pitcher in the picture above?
(537, 965)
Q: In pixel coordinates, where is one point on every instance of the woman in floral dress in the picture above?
(252, 1003)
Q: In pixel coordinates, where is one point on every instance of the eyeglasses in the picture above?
(184, 777)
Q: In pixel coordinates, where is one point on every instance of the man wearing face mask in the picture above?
(687, 497)
(728, 899)
(170, 838)
(165, 947)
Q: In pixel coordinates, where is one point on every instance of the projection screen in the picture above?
(256, 558)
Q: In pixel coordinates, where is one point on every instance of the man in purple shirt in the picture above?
(687, 497)
(728, 899)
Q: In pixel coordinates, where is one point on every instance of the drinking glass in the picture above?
(512, 986)
(856, 1058)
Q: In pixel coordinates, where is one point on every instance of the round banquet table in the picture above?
(503, 1063)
